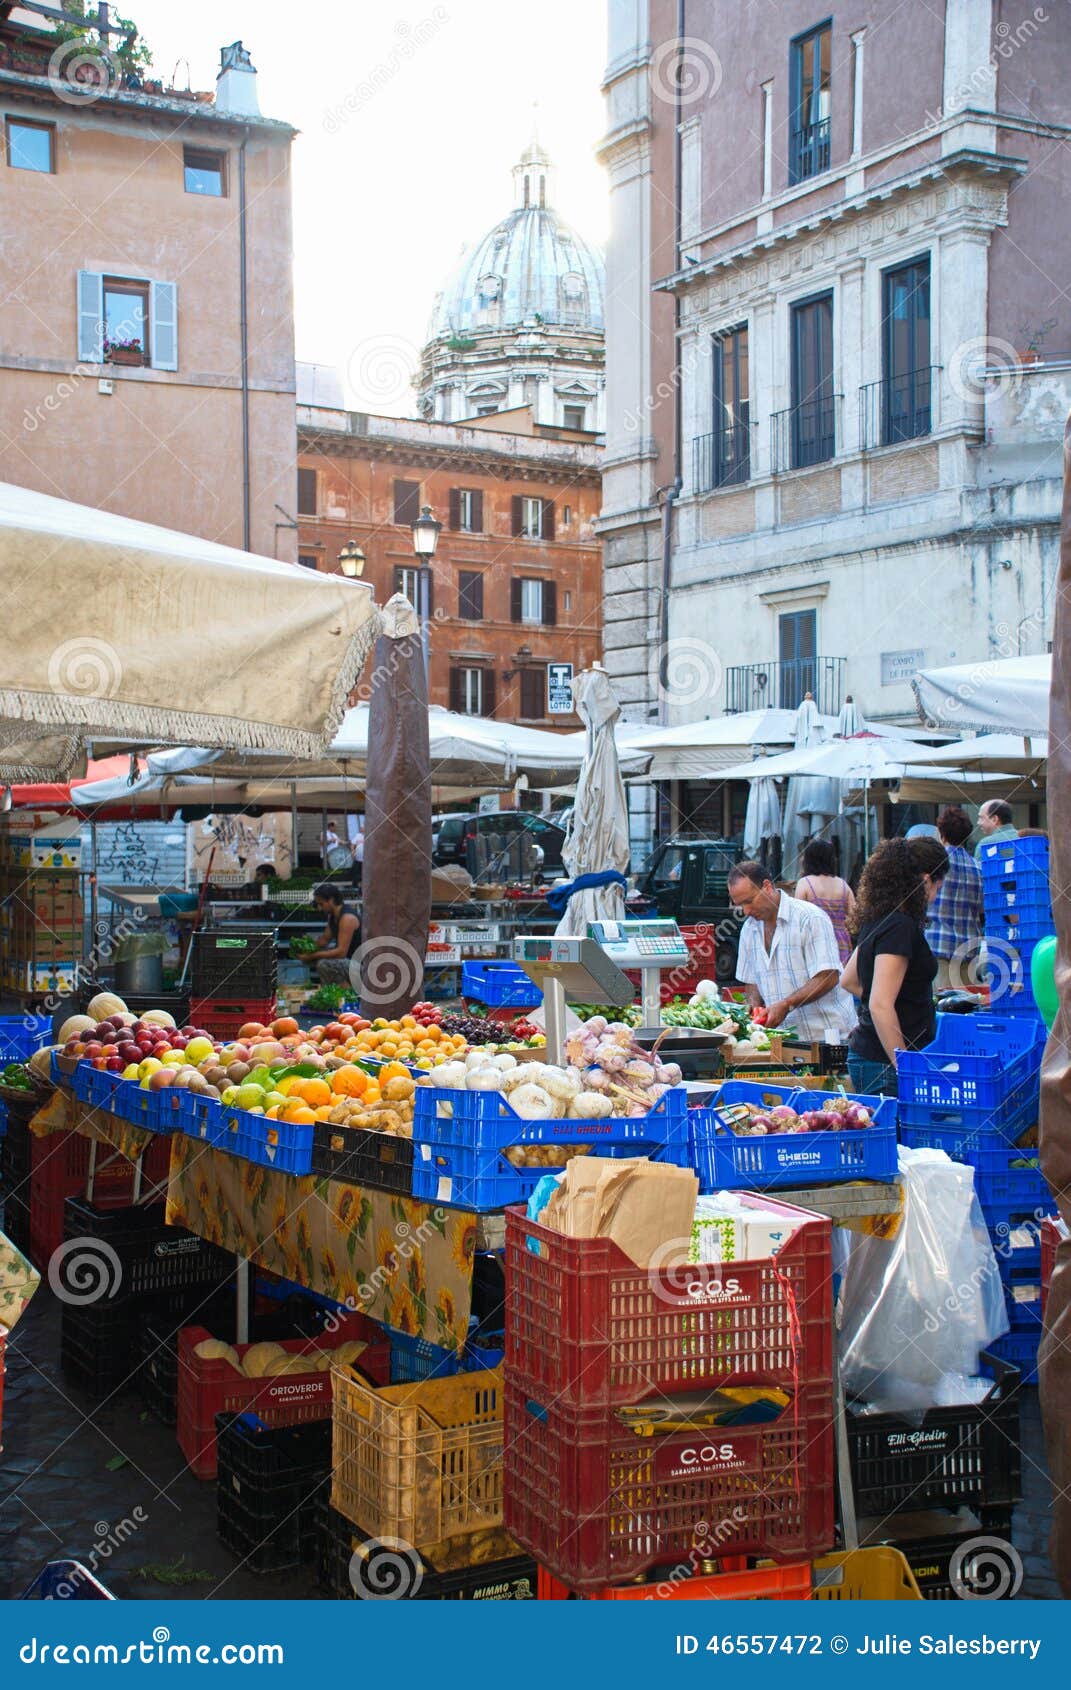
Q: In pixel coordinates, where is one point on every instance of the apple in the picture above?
(160, 1078)
(199, 1047)
(148, 1066)
(237, 1072)
(129, 1051)
(173, 1058)
(179, 1041)
(274, 1099)
(113, 1064)
(249, 1096)
(108, 1036)
(117, 1020)
(93, 1048)
(130, 1072)
(99, 1062)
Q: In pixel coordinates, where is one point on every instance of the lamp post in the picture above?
(351, 560)
(425, 539)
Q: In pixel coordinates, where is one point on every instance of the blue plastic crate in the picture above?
(285, 1146)
(21, 1035)
(201, 1118)
(726, 1161)
(975, 1062)
(1008, 857)
(1021, 1349)
(1020, 896)
(1022, 1294)
(1006, 1121)
(413, 1359)
(1004, 1174)
(154, 1111)
(499, 985)
(1023, 930)
(459, 1157)
(488, 1352)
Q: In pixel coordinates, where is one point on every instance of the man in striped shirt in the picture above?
(956, 917)
(788, 959)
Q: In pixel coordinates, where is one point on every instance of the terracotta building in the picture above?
(147, 342)
(516, 583)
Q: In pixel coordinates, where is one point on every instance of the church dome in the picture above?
(529, 269)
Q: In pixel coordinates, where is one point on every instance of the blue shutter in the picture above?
(163, 312)
(90, 317)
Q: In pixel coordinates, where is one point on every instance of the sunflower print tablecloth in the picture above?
(66, 1113)
(408, 1264)
(18, 1282)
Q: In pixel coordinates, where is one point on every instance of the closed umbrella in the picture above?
(849, 721)
(397, 811)
(597, 839)
(812, 799)
(762, 821)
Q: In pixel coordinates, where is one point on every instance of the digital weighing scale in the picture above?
(570, 968)
(653, 946)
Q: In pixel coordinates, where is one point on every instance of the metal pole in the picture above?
(241, 1313)
(293, 827)
(425, 617)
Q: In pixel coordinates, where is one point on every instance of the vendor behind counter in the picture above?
(341, 938)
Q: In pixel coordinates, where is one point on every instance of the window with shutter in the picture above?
(406, 502)
(517, 514)
(533, 694)
(550, 603)
(470, 595)
(308, 560)
(533, 602)
(532, 518)
(407, 582)
(90, 317)
(163, 337)
(515, 600)
(126, 312)
(306, 492)
(467, 691)
(469, 510)
(546, 523)
(454, 517)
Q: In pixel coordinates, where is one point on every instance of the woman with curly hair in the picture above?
(892, 968)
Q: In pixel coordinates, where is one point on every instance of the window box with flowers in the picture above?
(124, 352)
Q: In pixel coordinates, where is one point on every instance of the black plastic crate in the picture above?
(268, 1483)
(234, 965)
(985, 1570)
(964, 1456)
(513, 1580)
(159, 1333)
(101, 1349)
(153, 1257)
(362, 1157)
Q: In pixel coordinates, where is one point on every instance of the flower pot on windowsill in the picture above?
(129, 355)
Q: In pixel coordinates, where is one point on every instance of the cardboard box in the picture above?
(43, 979)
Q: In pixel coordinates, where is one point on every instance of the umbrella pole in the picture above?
(293, 827)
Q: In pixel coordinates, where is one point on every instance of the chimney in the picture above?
(236, 84)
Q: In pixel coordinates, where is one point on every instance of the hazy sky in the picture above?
(411, 114)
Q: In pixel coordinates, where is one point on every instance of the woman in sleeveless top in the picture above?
(340, 939)
(821, 884)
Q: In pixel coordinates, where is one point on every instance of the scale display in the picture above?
(581, 967)
(656, 943)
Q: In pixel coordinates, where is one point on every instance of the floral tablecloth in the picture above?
(66, 1113)
(406, 1263)
(18, 1282)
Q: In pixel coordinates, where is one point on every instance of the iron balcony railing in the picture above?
(808, 150)
(723, 458)
(784, 684)
(898, 408)
(803, 435)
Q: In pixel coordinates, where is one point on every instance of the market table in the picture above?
(405, 1263)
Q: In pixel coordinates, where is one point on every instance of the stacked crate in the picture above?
(601, 1500)
(235, 978)
(41, 915)
(974, 1093)
(1018, 915)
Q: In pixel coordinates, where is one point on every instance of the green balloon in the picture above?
(1043, 979)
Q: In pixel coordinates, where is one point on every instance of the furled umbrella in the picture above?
(850, 720)
(812, 800)
(762, 822)
(596, 847)
(389, 965)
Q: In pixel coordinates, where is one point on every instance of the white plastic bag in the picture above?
(915, 1310)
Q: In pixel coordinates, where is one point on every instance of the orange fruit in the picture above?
(299, 1113)
(313, 1092)
(349, 1082)
(323, 1111)
(393, 1071)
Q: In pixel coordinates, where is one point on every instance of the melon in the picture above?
(74, 1025)
(105, 1004)
(158, 1018)
(214, 1349)
(347, 1352)
(288, 1364)
(256, 1359)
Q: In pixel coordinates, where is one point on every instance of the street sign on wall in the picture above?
(899, 666)
(560, 689)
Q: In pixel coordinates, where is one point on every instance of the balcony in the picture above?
(808, 151)
(898, 409)
(784, 685)
(803, 435)
(722, 459)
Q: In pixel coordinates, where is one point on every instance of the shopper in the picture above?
(956, 918)
(995, 822)
(892, 969)
(788, 958)
(340, 939)
(821, 884)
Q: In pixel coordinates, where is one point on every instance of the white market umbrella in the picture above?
(762, 821)
(116, 630)
(812, 800)
(707, 750)
(992, 697)
(850, 720)
(597, 837)
(1009, 754)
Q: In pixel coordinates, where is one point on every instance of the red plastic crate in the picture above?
(225, 1017)
(596, 1504)
(1051, 1235)
(586, 1326)
(752, 1584)
(59, 1168)
(208, 1388)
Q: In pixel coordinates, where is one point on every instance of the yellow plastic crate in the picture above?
(881, 1574)
(419, 1462)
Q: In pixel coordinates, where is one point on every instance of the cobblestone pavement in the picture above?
(71, 1475)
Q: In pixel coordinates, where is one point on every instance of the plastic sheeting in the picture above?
(916, 1310)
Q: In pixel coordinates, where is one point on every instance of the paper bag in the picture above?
(643, 1206)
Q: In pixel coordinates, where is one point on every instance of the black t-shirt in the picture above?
(897, 935)
(334, 922)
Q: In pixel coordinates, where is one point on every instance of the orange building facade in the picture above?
(516, 582)
(147, 343)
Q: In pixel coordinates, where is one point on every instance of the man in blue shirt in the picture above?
(957, 915)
